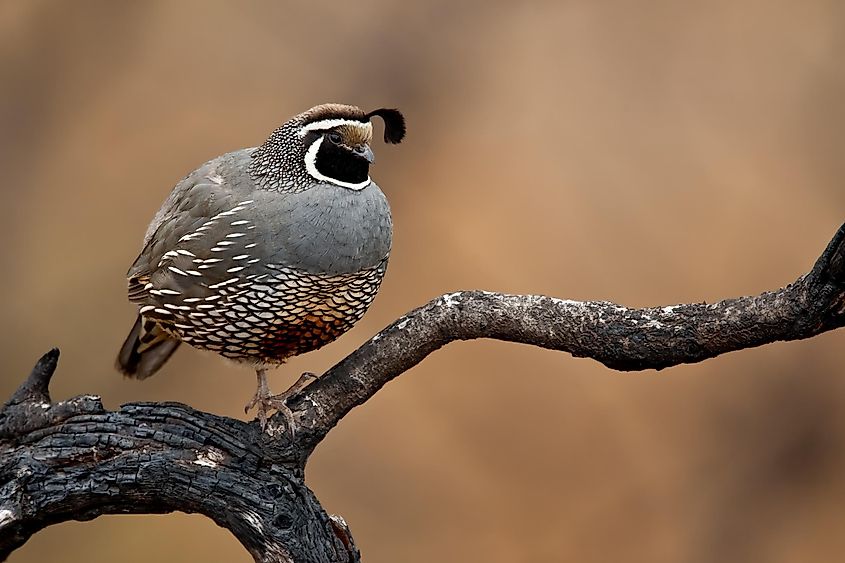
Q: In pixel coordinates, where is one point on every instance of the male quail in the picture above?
(265, 253)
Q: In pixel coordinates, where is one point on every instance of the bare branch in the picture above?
(73, 460)
(618, 337)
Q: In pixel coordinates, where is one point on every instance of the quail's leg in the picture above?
(266, 402)
(261, 397)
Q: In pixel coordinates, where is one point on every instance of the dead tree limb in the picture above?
(73, 460)
(621, 338)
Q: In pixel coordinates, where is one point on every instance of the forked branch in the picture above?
(73, 460)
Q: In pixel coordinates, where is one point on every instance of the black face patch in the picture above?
(339, 163)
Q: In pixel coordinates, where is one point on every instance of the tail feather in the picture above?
(146, 349)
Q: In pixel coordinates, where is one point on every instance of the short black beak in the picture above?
(364, 151)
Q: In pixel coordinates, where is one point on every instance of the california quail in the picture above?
(265, 253)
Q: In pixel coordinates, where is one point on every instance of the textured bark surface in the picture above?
(73, 460)
(621, 338)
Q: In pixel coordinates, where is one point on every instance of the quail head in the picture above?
(265, 253)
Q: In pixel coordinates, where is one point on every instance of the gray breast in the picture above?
(326, 229)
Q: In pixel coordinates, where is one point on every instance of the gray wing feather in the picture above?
(194, 218)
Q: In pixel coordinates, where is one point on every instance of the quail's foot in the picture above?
(266, 405)
(301, 383)
(267, 402)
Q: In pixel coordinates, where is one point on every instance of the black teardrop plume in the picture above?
(394, 124)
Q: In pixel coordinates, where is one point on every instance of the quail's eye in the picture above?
(335, 138)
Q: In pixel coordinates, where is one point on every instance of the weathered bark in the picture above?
(621, 338)
(73, 460)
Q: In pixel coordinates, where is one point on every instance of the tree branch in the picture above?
(620, 338)
(73, 460)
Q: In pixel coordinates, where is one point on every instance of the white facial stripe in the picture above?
(331, 123)
(311, 167)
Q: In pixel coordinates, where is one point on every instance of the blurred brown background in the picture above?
(641, 152)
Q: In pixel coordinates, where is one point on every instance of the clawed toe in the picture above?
(266, 403)
(266, 406)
